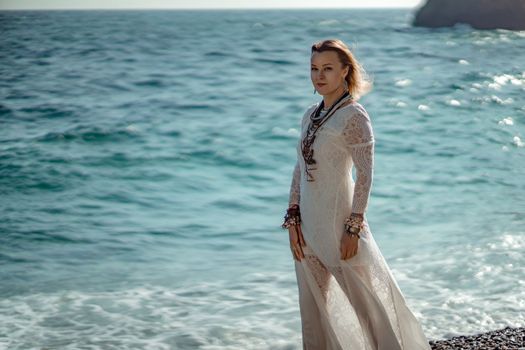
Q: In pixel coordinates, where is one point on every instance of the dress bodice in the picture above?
(346, 139)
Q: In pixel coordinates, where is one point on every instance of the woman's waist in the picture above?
(330, 204)
(326, 187)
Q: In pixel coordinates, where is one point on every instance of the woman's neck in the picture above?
(330, 99)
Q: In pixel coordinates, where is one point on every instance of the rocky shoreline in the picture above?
(507, 338)
(480, 14)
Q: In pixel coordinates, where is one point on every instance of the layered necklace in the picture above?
(316, 121)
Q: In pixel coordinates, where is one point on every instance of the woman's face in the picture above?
(326, 72)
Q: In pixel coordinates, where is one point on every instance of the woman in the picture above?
(348, 296)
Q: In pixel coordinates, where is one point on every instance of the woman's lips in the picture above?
(321, 84)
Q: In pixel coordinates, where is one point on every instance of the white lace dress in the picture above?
(352, 304)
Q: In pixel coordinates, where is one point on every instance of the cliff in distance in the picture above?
(480, 14)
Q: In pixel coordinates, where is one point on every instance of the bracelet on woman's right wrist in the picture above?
(292, 217)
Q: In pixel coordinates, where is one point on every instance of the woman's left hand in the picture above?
(349, 245)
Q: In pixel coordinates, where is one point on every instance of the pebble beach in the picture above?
(507, 338)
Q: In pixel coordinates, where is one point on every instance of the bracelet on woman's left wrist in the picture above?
(354, 224)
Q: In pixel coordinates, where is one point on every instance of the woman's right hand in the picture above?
(297, 241)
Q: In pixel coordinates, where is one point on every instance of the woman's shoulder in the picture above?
(354, 109)
(351, 119)
(309, 110)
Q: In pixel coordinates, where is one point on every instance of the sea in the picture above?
(146, 158)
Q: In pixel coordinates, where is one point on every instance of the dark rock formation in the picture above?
(480, 14)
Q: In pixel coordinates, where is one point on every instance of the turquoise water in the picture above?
(146, 157)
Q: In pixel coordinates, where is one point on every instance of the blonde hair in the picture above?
(358, 81)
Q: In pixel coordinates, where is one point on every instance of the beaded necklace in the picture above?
(316, 121)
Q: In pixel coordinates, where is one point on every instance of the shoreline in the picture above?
(507, 338)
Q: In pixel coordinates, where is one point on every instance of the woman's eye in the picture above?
(314, 68)
(328, 68)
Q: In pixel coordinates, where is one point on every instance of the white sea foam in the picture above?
(494, 99)
(498, 81)
(494, 86)
(517, 141)
(453, 292)
(329, 22)
(514, 242)
(506, 121)
(205, 316)
(281, 132)
(472, 292)
(403, 82)
(132, 128)
(397, 103)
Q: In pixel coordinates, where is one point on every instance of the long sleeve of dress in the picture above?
(359, 137)
(295, 191)
(295, 187)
